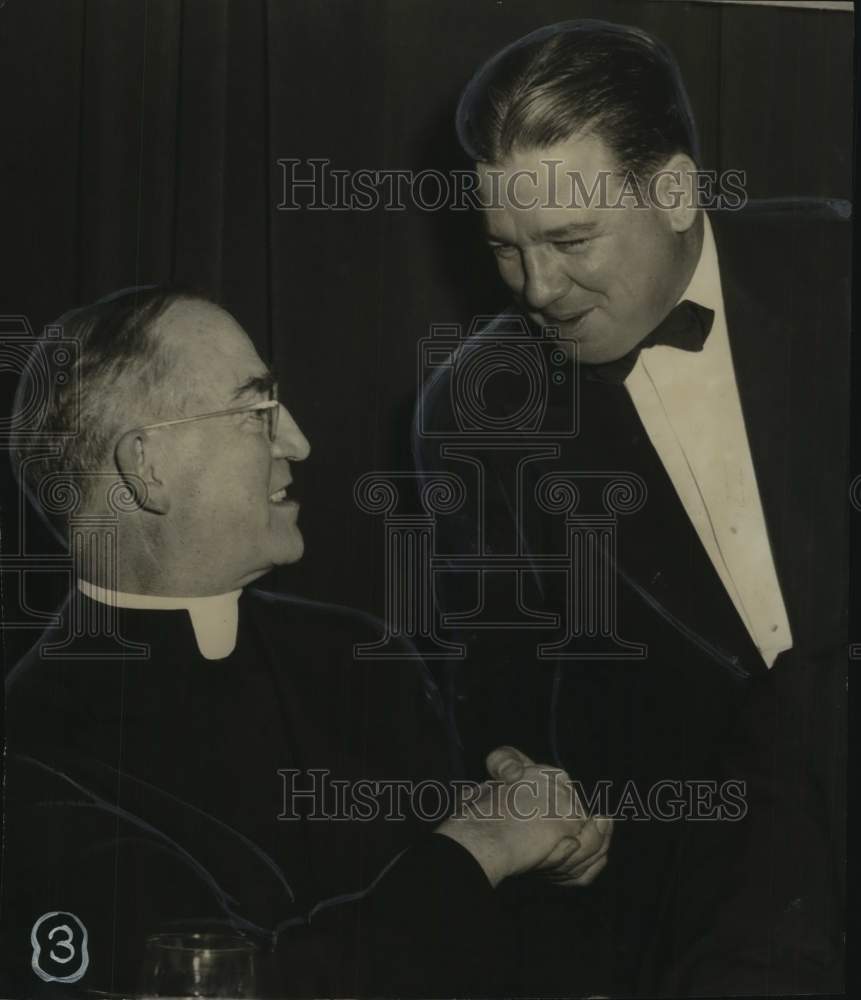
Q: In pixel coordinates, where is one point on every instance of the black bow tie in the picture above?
(685, 327)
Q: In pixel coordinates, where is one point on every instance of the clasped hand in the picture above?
(529, 819)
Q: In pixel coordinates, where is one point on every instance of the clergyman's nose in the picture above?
(290, 442)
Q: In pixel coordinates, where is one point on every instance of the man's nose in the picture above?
(289, 442)
(545, 280)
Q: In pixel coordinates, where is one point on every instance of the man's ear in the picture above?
(137, 459)
(673, 189)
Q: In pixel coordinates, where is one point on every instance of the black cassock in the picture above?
(150, 794)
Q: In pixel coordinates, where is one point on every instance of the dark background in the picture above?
(139, 144)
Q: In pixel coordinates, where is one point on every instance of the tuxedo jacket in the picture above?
(750, 905)
(169, 792)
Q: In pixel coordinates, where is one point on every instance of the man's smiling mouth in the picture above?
(570, 323)
(574, 319)
(279, 496)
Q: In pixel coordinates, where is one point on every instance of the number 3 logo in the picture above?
(59, 943)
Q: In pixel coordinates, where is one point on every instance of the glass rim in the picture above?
(220, 941)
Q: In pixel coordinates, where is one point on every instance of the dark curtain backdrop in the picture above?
(139, 144)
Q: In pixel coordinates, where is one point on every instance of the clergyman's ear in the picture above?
(137, 460)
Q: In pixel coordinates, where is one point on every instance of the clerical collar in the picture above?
(215, 619)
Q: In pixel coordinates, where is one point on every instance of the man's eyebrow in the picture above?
(571, 230)
(257, 383)
(574, 229)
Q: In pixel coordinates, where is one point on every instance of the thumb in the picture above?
(507, 763)
(604, 825)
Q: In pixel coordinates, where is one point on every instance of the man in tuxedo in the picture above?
(696, 364)
(182, 749)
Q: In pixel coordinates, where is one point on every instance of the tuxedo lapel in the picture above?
(663, 573)
(786, 294)
(761, 353)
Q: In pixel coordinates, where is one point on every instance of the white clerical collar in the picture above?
(215, 619)
(704, 286)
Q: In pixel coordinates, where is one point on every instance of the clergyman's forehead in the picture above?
(214, 359)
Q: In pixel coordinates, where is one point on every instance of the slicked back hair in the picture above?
(591, 77)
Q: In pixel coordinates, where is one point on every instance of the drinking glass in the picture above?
(199, 964)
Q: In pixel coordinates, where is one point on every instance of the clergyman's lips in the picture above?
(280, 495)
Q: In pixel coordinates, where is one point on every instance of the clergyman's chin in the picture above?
(291, 552)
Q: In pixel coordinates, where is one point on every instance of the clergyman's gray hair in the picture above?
(120, 366)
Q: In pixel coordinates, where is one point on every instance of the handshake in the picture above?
(537, 824)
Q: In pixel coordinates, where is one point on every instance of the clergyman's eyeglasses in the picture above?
(268, 410)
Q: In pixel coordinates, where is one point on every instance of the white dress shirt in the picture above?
(689, 405)
(215, 619)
